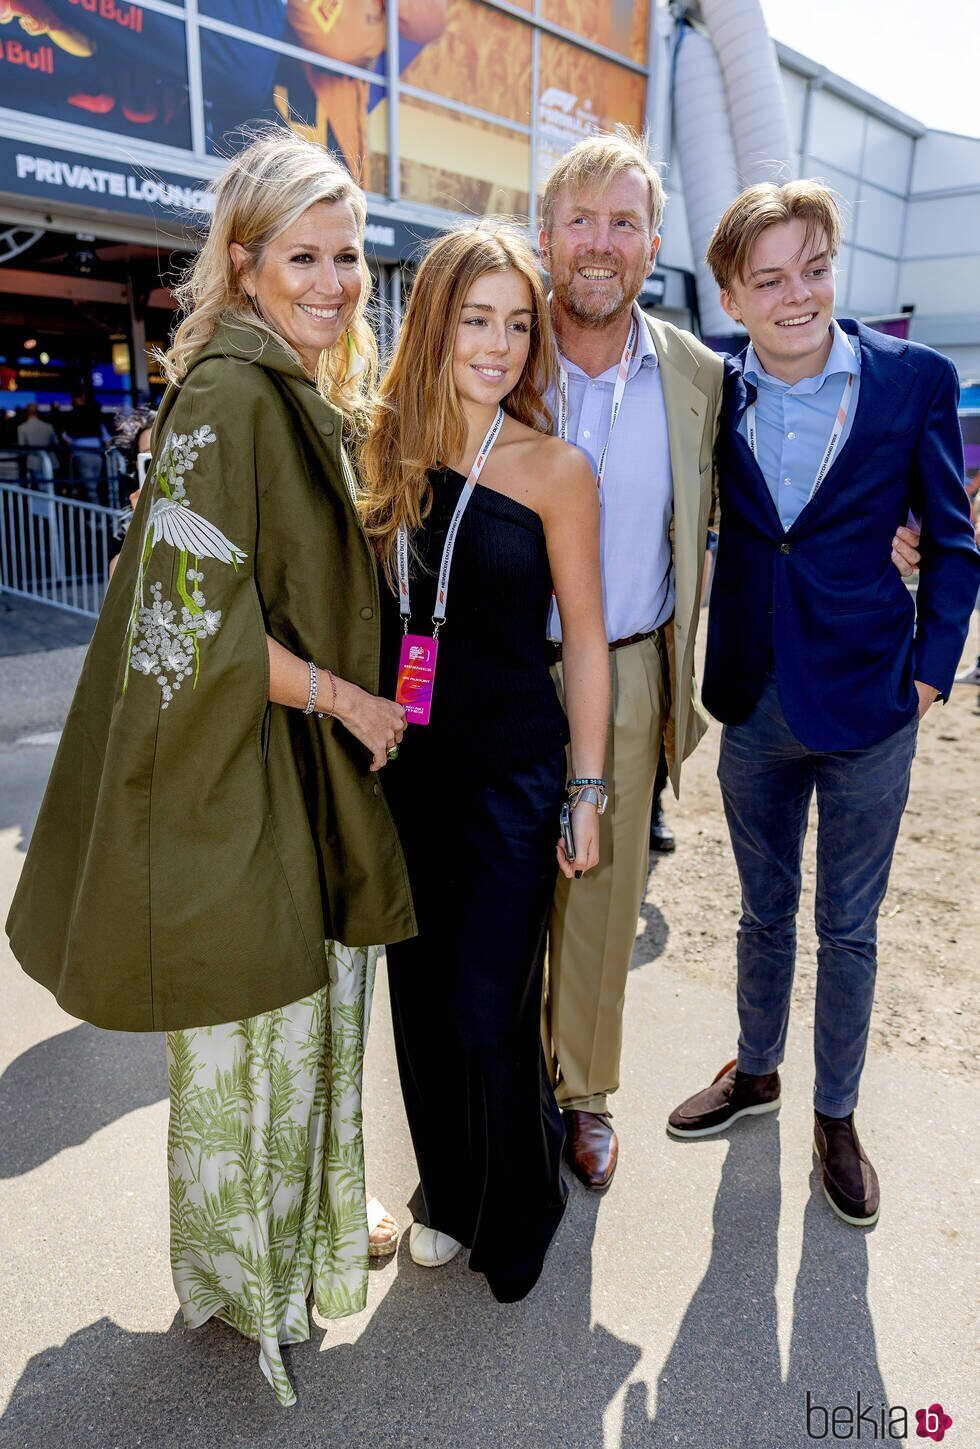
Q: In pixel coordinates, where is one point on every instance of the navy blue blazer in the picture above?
(822, 603)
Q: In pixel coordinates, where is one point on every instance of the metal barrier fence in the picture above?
(54, 550)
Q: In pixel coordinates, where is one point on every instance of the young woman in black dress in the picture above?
(479, 780)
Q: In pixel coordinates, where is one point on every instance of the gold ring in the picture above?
(392, 754)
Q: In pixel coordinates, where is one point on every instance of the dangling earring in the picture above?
(355, 362)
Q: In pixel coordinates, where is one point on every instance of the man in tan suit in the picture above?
(642, 399)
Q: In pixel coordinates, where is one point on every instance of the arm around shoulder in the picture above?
(950, 569)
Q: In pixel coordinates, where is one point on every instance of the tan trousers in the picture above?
(593, 920)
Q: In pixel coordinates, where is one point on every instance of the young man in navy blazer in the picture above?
(819, 663)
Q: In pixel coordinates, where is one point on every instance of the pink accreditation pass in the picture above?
(416, 676)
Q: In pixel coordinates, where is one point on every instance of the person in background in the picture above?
(85, 432)
(132, 440)
(819, 664)
(477, 790)
(662, 839)
(37, 433)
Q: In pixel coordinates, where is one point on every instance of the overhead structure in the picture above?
(756, 105)
(731, 126)
(706, 157)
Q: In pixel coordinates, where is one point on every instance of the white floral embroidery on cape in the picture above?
(162, 643)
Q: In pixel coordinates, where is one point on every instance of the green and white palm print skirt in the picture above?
(266, 1164)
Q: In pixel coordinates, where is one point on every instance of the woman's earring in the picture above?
(355, 362)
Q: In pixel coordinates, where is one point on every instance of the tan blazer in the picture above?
(692, 376)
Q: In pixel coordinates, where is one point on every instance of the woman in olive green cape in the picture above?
(198, 843)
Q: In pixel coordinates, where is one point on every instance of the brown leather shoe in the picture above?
(732, 1094)
(850, 1183)
(591, 1147)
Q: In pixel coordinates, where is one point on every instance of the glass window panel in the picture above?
(461, 163)
(619, 25)
(483, 58)
(579, 94)
(263, 17)
(244, 82)
(120, 69)
(352, 31)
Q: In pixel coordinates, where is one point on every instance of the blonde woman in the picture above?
(475, 513)
(213, 814)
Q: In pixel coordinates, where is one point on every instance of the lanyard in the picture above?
(624, 363)
(442, 588)
(348, 473)
(833, 442)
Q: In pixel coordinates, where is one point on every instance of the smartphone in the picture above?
(568, 839)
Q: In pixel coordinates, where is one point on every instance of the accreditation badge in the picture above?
(416, 676)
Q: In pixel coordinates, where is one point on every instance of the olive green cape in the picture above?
(196, 844)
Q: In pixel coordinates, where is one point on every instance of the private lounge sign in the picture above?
(62, 177)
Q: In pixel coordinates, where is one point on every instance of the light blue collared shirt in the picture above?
(794, 421)
(638, 488)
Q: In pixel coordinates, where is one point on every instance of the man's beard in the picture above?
(598, 310)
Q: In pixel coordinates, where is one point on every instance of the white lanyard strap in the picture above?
(348, 472)
(624, 366)
(833, 442)
(442, 587)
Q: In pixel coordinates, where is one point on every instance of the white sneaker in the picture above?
(429, 1248)
(969, 676)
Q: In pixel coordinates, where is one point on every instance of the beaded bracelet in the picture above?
(587, 780)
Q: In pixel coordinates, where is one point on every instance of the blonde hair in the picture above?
(419, 420)
(595, 161)
(759, 207)
(267, 187)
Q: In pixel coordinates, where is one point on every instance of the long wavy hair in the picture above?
(268, 186)
(419, 421)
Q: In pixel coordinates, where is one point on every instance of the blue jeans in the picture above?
(767, 779)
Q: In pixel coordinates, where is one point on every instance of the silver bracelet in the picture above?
(311, 702)
(593, 793)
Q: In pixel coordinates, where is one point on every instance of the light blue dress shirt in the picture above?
(638, 488)
(793, 422)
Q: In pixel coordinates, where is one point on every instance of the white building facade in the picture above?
(912, 204)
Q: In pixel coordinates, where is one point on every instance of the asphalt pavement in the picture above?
(707, 1300)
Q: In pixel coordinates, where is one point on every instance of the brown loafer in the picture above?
(850, 1183)
(591, 1147)
(732, 1094)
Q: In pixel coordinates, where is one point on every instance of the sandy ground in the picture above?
(929, 928)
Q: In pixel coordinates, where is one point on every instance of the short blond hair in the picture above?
(595, 161)
(759, 207)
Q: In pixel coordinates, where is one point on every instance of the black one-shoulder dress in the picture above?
(476, 795)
